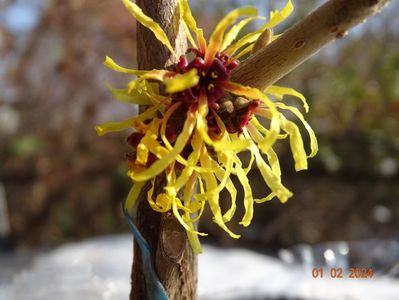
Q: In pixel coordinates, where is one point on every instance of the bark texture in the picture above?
(327, 23)
(175, 261)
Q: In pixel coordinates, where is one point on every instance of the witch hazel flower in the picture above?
(197, 121)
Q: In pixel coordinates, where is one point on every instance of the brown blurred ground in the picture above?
(63, 182)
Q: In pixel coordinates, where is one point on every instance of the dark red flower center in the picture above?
(211, 75)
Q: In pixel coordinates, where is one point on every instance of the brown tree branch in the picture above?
(175, 262)
(304, 39)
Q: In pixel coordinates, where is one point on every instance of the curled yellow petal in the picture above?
(231, 35)
(296, 143)
(276, 17)
(265, 199)
(176, 213)
(280, 91)
(162, 203)
(188, 171)
(213, 199)
(216, 39)
(224, 174)
(196, 143)
(187, 196)
(228, 215)
(146, 21)
(110, 63)
(248, 199)
(160, 165)
(274, 133)
(150, 74)
(272, 180)
(113, 126)
(182, 82)
(313, 140)
(271, 155)
(250, 38)
(151, 143)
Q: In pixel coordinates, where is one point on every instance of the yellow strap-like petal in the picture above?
(188, 33)
(279, 16)
(113, 126)
(313, 140)
(280, 91)
(142, 154)
(176, 213)
(271, 155)
(245, 51)
(182, 82)
(296, 144)
(160, 165)
(134, 97)
(231, 35)
(267, 198)
(185, 13)
(274, 133)
(202, 123)
(187, 196)
(151, 143)
(213, 199)
(146, 21)
(193, 239)
(223, 172)
(196, 143)
(162, 204)
(149, 113)
(228, 215)
(134, 194)
(275, 19)
(216, 39)
(150, 74)
(271, 179)
(245, 40)
(110, 63)
(248, 198)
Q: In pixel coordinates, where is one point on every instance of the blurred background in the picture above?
(60, 182)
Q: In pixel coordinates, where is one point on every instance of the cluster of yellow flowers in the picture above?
(194, 131)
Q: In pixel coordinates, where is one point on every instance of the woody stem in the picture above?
(304, 39)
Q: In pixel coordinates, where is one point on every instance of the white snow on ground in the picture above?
(100, 269)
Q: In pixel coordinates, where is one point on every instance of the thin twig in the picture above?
(304, 39)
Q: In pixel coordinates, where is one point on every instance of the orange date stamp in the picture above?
(352, 273)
